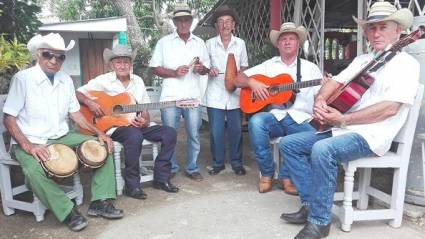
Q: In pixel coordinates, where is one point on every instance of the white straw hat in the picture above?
(385, 11)
(52, 41)
(289, 27)
(181, 10)
(118, 51)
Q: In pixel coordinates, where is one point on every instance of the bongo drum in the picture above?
(62, 161)
(92, 154)
(230, 74)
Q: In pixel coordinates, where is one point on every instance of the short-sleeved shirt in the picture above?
(216, 95)
(41, 109)
(396, 81)
(109, 84)
(171, 52)
(302, 108)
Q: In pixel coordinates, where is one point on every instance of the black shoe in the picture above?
(75, 221)
(136, 193)
(313, 231)
(239, 171)
(166, 186)
(195, 176)
(104, 208)
(215, 170)
(299, 217)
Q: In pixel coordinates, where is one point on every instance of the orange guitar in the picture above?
(280, 88)
(121, 109)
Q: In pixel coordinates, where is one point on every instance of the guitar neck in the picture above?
(298, 85)
(147, 106)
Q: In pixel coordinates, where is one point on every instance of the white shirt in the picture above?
(171, 52)
(41, 109)
(109, 84)
(216, 95)
(302, 108)
(396, 81)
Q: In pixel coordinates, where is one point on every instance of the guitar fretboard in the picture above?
(147, 106)
(295, 85)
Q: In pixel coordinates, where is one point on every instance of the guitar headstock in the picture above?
(187, 103)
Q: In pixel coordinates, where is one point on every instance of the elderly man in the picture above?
(222, 105)
(39, 103)
(282, 119)
(367, 128)
(181, 59)
(120, 80)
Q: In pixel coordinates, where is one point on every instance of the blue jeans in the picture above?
(192, 121)
(264, 126)
(313, 161)
(230, 121)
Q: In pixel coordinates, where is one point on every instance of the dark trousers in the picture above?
(131, 138)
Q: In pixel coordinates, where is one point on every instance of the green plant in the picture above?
(13, 57)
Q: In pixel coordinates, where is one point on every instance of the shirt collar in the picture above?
(175, 36)
(278, 59)
(43, 76)
(232, 41)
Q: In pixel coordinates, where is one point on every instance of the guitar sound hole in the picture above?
(117, 109)
(273, 90)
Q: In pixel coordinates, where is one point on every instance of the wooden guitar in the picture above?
(122, 108)
(346, 95)
(280, 88)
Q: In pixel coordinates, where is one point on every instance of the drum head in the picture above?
(92, 153)
(62, 161)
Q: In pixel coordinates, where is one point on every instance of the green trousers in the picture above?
(49, 193)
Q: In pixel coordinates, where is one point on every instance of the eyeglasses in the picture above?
(49, 55)
(224, 22)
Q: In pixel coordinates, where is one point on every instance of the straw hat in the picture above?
(288, 27)
(181, 10)
(224, 10)
(52, 41)
(385, 11)
(118, 51)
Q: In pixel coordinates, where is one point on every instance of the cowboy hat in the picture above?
(385, 11)
(224, 10)
(288, 27)
(181, 10)
(52, 41)
(118, 51)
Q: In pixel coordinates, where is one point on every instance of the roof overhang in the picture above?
(112, 24)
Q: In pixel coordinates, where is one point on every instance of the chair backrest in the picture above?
(3, 151)
(154, 93)
(405, 136)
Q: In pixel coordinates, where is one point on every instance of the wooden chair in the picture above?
(9, 192)
(398, 160)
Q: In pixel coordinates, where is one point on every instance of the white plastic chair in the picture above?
(8, 192)
(276, 155)
(148, 147)
(399, 161)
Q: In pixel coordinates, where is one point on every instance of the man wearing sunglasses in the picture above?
(40, 101)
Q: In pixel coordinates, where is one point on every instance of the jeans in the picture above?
(230, 121)
(193, 121)
(313, 161)
(264, 126)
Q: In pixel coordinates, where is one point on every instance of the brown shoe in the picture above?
(288, 187)
(265, 184)
(195, 176)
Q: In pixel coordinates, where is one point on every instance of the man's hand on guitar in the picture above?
(104, 139)
(213, 72)
(260, 89)
(95, 108)
(139, 121)
(328, 115)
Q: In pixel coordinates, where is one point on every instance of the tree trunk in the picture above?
(134, 34)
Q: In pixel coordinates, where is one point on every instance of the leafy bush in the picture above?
(13, 57)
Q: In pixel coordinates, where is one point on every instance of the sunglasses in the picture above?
(49, 55)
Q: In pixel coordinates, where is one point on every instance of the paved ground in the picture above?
(222, 206)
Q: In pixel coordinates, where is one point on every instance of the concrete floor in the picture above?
(221, 206)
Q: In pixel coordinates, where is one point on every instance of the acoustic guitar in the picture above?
(122, 108)
(280, 88)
